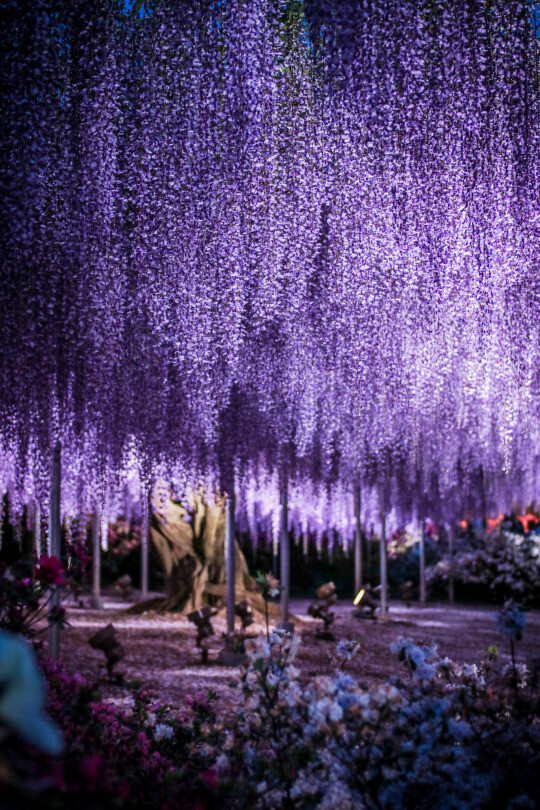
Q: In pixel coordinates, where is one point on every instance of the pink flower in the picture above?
(49, 571)
(145, 743)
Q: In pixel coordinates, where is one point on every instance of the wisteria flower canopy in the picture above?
(264, 235)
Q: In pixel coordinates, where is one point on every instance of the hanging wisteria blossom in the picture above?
(264, 236)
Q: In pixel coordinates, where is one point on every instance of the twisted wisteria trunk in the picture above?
(193, 541)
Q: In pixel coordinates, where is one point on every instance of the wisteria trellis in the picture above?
(270, 234)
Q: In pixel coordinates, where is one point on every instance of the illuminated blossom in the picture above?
(264, 239)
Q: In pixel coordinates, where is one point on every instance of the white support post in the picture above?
(423, 563)
(358, 571)
(230, 560)
(451, 571)
(275, 553)
(145, 531)
(37, 530)
(96, 602)
(384, 573)
(285, 552)
(54, 549)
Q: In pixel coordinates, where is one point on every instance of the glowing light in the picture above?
(526, 520)
(359, 596)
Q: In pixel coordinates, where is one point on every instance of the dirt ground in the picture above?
(161, 651)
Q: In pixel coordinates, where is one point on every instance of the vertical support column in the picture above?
(423, 563)
(285, 551)
(145, 529)
(18, 532)
(54, 549)
(451, 571)
(275, 555)
(96, 601)
(384, 573)
(230, 560)
(37, 530)
(358, 571)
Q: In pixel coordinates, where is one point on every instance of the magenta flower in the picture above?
(49, 571)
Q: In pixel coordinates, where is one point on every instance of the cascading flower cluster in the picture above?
(271, 235)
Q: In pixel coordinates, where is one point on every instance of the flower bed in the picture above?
(442, 735)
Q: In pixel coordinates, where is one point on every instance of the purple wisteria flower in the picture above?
(271, 236)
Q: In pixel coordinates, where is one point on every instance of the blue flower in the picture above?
(510, 620)
(345, 681)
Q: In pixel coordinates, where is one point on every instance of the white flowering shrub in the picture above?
(444, 736)
(506, 563)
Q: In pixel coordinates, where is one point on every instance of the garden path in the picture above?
(161, 652)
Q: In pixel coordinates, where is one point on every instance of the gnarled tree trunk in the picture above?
(191, 545)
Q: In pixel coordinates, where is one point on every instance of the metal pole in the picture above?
(358, 572)
(423, 563)
(96, 601)
(285, 550)
(384, 575)
(37, 529)
(275, 554)
(18, 531)
(54, 548)
(230, 560)
(145, 528)
(451, 571)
